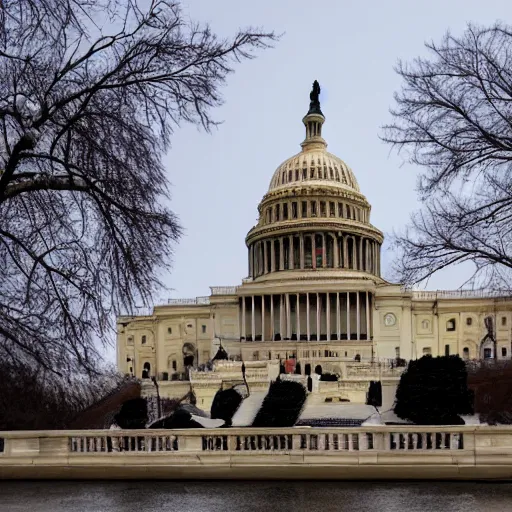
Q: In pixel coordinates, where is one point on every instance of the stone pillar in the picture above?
(273, 257)
(358, 317)
(281, 253)
(251, 273)
(265, 257)
(313, 250)
(324, 252)
(302, 250)
(291, 263)
(367, 316)
(253, 321)
(281, 316)
(328, 316)
(308, 330)
(345, 252)
(297, 313)
(361, 267)
(338, 316)
(348, 315)
(263, 318)
(288, 317)
(335, 248)
(272, 329)
(318, 309)
(244, 331)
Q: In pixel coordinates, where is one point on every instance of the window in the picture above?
(294, 210)
(504, 351)
(169, 330)
(203, 329)
(447, 350)
(285, 211)
(340, 209)
(465, 353)
(278, 211)
(427, 351)
(143, 340)
(332, 209)
(304, 209)
(323, 212)
(174, 366)
(469, 320)
(487, 353)
(313, 208)
(130, 340)
(503, 321)
(450, 325)
(397, 352)
(425, 324)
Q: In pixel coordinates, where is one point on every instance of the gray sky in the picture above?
(351, 48)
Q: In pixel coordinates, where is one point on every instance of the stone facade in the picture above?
(314, 292)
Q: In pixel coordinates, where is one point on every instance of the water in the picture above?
(226, 496)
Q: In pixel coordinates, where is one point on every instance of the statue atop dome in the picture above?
(314, 96)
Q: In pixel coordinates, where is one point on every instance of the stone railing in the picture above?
(223, 290)
(458, 294)
(198, 301)
(368, 452)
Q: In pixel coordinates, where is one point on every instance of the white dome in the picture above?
(314, 167)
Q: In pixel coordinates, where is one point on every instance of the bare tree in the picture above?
(89, 95)
(453, 117)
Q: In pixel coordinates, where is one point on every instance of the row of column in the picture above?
(306, 316)
(312, 251)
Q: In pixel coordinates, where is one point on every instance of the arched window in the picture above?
(146, 370)
(143, 339)
(465, 353)
(425, 325)
(319, 251)
(357, 358)
(308, 252)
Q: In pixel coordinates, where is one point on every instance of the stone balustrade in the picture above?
(344, 453)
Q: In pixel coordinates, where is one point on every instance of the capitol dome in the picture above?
(314, 220)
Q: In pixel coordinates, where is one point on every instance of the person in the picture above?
(117, 442)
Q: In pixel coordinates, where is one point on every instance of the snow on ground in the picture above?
(248, 409)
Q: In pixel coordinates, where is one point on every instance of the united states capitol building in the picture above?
(314, 296)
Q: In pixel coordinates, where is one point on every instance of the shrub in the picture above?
(282, 405)
(298, 369)
(133, 414)
(374, 395)
(225, 404)
(434, 391)
(318, 369)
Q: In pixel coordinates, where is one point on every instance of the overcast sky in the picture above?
(351, 48)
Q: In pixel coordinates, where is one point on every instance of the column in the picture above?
(281, 253)
(290, 254)
(328, 316)
(244, 333)
(265, 257)
(345, 252)
(367, 316)
(308, 330)
(251, 273)
(361, 253)
(378, 260)
(272, 329)
(297, 313)
(348, 315)
(302, 250)
(288, 317)
(358, 317)
(324, 252)
(336, 256)
(338, 314)
(263, 318)
(318, 307)
(313, 250)
(281, 317)
(253, 321)
(273, 257)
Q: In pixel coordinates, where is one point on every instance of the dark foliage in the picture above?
(29, 401)
(452, 118)
(307, 369)
(133, 414)
(282, 405)
(310, 383)
(374, 395)
(282, 369)
(225, 404)
(318, 369)
(328, 377)
(298, 369)
(90, 93)
(434, 391)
